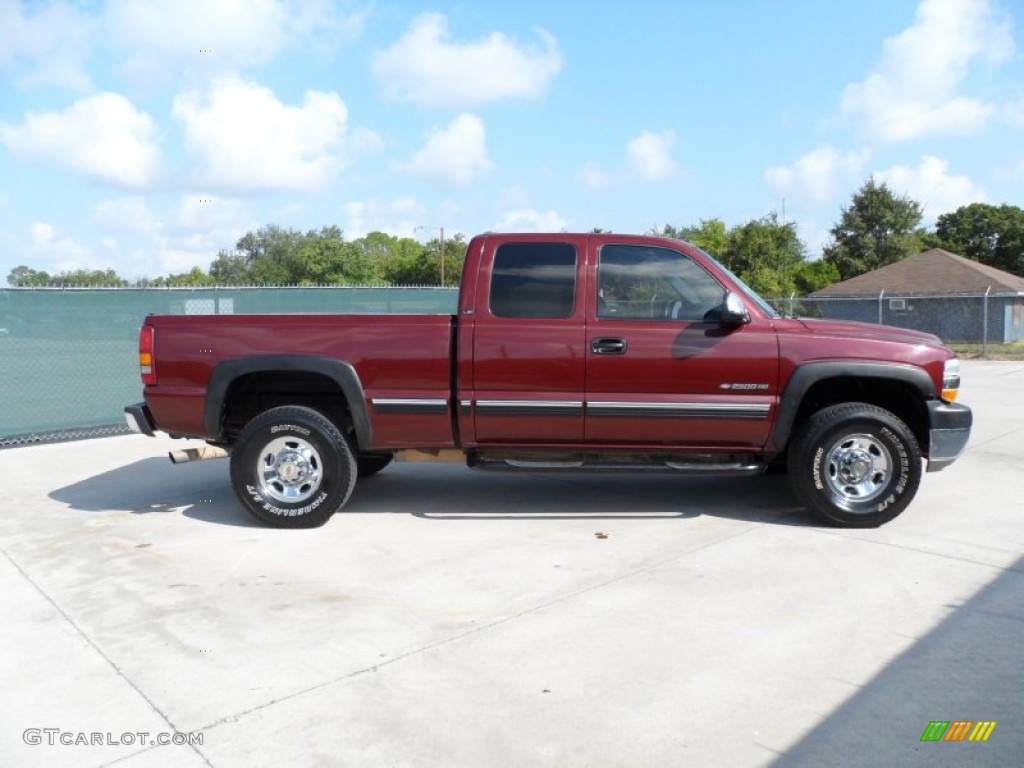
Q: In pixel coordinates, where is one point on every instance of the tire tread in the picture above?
(326, 431)
(806, 440)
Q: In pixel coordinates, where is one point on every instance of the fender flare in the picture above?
(341, 373)
(809, 374)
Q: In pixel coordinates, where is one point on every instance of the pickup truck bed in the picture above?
(210, 362)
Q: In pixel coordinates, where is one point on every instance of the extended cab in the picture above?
(569, 351)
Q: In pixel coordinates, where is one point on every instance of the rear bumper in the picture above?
(140, 419)
(949, 429)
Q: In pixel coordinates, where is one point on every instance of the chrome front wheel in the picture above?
(854, 464)
(858, 467)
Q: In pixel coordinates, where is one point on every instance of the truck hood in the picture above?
(853, 329)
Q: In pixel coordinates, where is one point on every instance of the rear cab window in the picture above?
(533, 280)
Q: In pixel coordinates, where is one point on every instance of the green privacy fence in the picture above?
(69, 357)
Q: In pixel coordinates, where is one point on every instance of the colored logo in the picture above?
(958, 730)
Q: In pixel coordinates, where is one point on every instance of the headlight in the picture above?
(951, 380)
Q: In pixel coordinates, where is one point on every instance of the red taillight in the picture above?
(147, 366)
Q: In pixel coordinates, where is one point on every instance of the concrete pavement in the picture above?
(462, 619)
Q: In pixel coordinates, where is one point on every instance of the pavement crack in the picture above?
(477, 630)
(920, 551)
(1011, 433)
(110, 662)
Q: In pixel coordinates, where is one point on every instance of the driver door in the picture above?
(662, 370)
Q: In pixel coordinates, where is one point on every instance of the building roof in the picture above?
(931, 272)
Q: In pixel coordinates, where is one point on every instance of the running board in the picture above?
(582, 464)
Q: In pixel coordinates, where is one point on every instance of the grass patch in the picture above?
(1012, 351)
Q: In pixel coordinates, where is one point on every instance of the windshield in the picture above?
(764, 305)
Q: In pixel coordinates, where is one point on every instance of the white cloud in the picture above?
(192, 232)
(50, 251)
(815, 175)
(931, 185)
(155, 38)
(649, 155)
(423, 66)
(815, 236)
(399, 217)
(187, 234)
(49, 43)
(913, 90)
(102, 136)
(287, 212)
(531, 220)
(1014, 113)
(125, 214)
(47, 46)
(593, 178)
(218, 215)
(454, 155)
(247, 138)
(514, 196)
(241, 33)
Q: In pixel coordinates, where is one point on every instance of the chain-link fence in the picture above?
(975, 318)
(69, 357)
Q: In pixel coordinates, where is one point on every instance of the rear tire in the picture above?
(854, 465)
(292, 468)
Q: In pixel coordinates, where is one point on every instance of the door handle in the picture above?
(608, 346)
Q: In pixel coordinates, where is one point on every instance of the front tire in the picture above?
(855, 465)
(292, 468)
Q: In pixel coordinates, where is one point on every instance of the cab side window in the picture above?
(639, 282)
(536, 280)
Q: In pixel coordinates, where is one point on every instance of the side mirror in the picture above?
(733, 311)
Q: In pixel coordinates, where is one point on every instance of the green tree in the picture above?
(194, 278)
(766, 255)
(317, 258)
(709, 235)
(230, 269)
(812, 276)
(26, 277)
(267, 253)
(878, 228)
(993, 235)
(414, 263)
(88, 278)
(454, 257)
(381, 257)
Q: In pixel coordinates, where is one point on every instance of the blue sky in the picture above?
(145, 135)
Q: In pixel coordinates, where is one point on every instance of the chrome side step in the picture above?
(601, 464)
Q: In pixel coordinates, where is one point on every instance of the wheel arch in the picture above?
(306, 376)
(901, 389)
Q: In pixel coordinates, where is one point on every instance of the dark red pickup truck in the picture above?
(569, 351)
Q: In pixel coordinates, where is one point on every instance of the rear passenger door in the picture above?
(529, 359)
